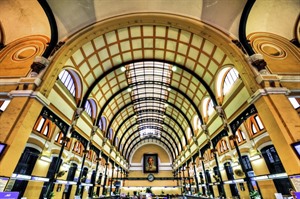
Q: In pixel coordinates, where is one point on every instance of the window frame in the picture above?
(42, 124)
(254, 126)
(58, 140)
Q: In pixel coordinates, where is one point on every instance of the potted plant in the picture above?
(255, 194)
(95, 195)
(148, 190)
(51, 195)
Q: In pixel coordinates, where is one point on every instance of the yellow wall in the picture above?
(150, 148)
(34, 188)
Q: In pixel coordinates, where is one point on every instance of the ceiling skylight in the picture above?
(149, 84)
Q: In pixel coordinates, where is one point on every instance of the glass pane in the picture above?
(259, 123)
(41, 123)
(149, 80)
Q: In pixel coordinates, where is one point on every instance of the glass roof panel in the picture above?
(149, 82)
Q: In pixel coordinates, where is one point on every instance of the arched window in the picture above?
(77, 147)
(110, 134)
(240, 136)
(89, 155)
(295, 102)
(117, 141)
(222, 146)
(88, 108)
(183, 141)
(255, 124)
(189, 133)
(197, 122)
(43, 126)
(102, 124)
(226, 79)
(3, 104)
(208, 107)
(66, 78)
(208, 155)
(58, 140)
(231, 77)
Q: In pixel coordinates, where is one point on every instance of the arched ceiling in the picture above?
(148, 39)
(149, 82)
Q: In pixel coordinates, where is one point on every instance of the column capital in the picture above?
(268, 91)
(257, 60)
(79, 111)
(39, 64)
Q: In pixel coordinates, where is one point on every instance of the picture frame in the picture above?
(150, 163)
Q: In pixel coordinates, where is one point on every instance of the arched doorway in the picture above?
(275, 166)
(25, 166)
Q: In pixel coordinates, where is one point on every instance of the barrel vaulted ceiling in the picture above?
(149, 73)
(150, 82)
(149, 64)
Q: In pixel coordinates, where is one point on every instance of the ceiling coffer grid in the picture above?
(150, 90)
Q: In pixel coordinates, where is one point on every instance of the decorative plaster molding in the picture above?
(268, 91)
(41, 98)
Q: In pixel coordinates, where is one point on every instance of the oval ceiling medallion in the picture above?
(272, 50)
(25, 53)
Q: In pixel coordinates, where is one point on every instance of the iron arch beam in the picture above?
(129, 152)
(173, 88)
(168, 115)
(163, 136)
(93, 85)
(53, 28)
(164, 131)
(144, 99)
(119, 127)
(135, 131)
(151, 82)
(242, 27)
(108, 101)
(125, 134)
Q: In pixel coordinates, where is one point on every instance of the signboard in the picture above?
(9, 195)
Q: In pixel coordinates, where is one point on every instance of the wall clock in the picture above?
(150, 177)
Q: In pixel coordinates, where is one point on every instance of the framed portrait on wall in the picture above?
(150, 163)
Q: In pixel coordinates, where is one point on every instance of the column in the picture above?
(282, 124)
(105, 178)
(196, 178)
(18, 119)
(188, 172)
(232, 137)
(112, 179)
(223, 194)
